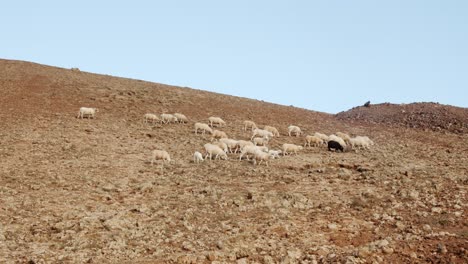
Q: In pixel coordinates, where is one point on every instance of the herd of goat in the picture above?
(256, 148)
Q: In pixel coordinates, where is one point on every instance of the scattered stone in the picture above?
(294, 254)
(427, 228)
(323, 251)
(242, 261)
(187, 246)
(381, 243)
(242, 252)
(387, 250)
(364, 251)
(109, 187)
(441, 248)
(414, 194)
(400, 225)
(268, 260)
(146, 187)
(220, 245)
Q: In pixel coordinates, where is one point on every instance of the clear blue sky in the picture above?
(322, 55)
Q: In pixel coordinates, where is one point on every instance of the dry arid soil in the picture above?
(83, 190)
(427, 116)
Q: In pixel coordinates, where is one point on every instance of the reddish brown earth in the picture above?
(76, 191)
(426, 116)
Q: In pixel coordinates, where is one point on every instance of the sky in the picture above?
(326, 56)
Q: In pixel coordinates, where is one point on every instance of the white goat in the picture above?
(222, 145)
(294, 130)
(151, 118)
(197, 157)
(275, 153)
(160, 155)
(261, 156)
(344, 136)
(243, 143)
(231, 144)
(337, 139)
(217, 134)
(167, 118)
(251, 150)
(321, 136)
(214, 149)
(216, 121)
(181, 118)
(87, 112)
(204, 127)
(289, 148)
(260, 141)
(249, 124)
(366, 138)
(273, 130)
(316, 141)
(261, 133)
(360, 142)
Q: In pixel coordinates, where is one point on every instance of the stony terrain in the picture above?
(426, 116)
(83, 191)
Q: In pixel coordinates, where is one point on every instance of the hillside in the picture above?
(424, 116)
(77, 191)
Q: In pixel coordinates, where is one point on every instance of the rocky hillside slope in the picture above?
(77, 191)
(426, 116)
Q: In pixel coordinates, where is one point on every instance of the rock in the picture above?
(268, 260)
(381, 243)
(364, 251)
(242, 253)
(211, 256)
(437, 210)
(117, 223)
(321, 170)
(386, 217)
(332, 226)
(387, 250)
(441, 248)
(109, 187)
(187, 246)
(323, 251)
(378, 258)
(363, 169)
(352, 260)
(414, 195)
(242, 261)
(186, 259)
(400, 225)
(294, 254)
(344, 171)
(313, 259)
(146, 187)
(427, 228)
(220, 245)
